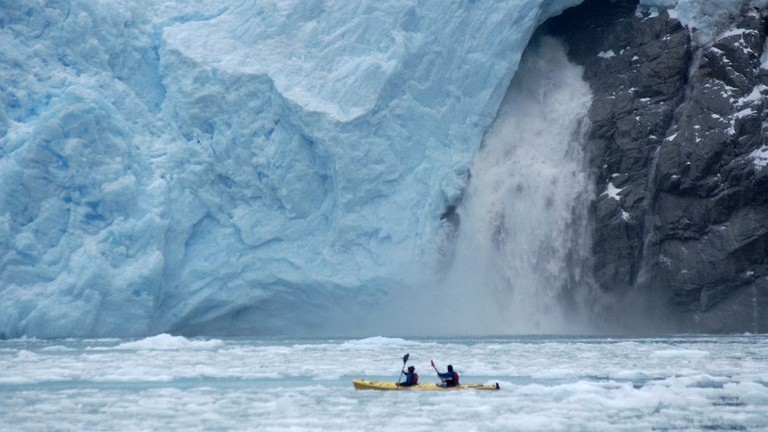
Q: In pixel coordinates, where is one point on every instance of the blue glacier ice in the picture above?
(237, 167)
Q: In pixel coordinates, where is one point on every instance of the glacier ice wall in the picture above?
(235, 167)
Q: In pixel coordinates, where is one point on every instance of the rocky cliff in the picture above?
(678, 154)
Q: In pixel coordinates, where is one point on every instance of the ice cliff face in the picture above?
(235, 167)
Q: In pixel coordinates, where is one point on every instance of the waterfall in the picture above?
(522, 225)
(523, 232)
(522, 236)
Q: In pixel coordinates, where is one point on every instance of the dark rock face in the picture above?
(679, 158)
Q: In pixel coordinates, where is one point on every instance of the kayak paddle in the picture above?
(436, 371)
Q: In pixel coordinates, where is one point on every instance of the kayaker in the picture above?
(411, 377)
(450, 378)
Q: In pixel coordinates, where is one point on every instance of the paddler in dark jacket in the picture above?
(411, 377)
(450, 378)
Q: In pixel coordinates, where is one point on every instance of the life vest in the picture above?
(455, 378)
(415, 378)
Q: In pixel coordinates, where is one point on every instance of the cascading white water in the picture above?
(524, 214)
(522, 235)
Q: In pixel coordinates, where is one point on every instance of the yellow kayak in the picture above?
(388, 385)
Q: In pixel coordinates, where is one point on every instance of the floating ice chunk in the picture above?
(165, 342)
(377, 341)
(690, 354)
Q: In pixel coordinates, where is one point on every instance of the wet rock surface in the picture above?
(678, 154)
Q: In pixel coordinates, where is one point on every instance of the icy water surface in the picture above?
(547, 383)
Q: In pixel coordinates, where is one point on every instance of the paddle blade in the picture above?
(433, 364)
(405, 358)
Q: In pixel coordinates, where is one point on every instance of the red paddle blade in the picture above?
(433, 364)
